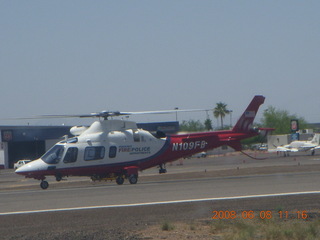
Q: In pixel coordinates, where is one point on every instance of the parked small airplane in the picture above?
(117, 149)
(300, 146)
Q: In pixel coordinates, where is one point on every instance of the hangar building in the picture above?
(27, 142)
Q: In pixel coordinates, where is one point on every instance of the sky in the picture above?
(78, 57)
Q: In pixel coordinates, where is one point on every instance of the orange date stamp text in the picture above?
(250, 214)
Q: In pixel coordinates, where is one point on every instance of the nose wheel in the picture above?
(44, 184)
(162, 168)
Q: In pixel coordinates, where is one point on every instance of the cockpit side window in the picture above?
(54, 155)
(71, 155)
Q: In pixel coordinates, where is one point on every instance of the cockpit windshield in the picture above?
(54, 155)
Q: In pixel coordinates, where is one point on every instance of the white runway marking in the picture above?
(158, 203)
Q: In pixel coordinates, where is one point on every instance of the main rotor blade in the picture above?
(164, 111)
(106, 114)
(50, 117)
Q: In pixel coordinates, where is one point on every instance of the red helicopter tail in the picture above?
(245, 122)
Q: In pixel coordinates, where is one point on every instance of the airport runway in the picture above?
(211, 178)
(157, 191)
(81, 192)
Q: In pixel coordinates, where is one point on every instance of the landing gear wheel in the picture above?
(58, 178)
(44, 184)
(162, 168)
(133, 178)
(120, 180)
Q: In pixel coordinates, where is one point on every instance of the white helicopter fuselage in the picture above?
(110, 144)
(117, 149)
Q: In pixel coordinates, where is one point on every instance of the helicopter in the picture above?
(115, 149)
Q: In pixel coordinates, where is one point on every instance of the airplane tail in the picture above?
(316, 139)
(245, 122)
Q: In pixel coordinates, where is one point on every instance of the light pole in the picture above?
(176, 108)
(230, 112)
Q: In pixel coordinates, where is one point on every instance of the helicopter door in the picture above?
(71, 155)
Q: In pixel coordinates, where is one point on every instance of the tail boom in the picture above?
(188, 144)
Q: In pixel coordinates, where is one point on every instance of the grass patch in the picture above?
(279, 208)
(275, 228)
(267, 229)
(219, 226)
(192, 226)
(167, 226)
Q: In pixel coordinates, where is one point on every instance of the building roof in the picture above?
(32, 133)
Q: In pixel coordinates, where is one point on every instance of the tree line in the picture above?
(219, 112)
(272, 118)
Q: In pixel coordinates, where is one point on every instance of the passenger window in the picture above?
(112, 152)
(94, 153)
(71, 155)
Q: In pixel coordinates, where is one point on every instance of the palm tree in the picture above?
(220, 111)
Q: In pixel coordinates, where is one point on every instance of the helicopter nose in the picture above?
(36, 165)
(21, 170)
